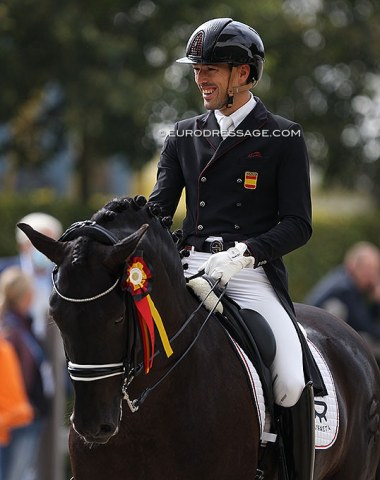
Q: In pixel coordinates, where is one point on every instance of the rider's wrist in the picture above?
(247, 253)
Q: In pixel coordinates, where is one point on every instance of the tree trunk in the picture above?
(83, 168)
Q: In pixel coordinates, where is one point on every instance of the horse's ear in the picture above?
(51, 248)
(120, 252)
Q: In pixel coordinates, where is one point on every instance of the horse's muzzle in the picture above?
(99, 434)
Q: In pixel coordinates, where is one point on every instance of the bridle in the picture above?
(93, 372)
(77, 371)
(80, 300)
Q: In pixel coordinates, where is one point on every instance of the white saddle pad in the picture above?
(326, 408)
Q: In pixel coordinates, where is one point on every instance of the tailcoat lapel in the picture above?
(213, 143)
(209, 125)
(254, 121)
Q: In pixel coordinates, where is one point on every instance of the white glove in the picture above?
(225, 265)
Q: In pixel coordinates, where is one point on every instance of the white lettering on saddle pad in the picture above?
(326, 408)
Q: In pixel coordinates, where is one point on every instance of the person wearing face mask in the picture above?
(53, 372)
(246, 176)
(33, 263)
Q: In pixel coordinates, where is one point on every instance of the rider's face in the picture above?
(212, 80)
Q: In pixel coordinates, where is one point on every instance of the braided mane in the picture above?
(118, 205)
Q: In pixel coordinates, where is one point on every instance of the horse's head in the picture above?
(89, 305)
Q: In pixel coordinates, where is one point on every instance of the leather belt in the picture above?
(214, 246)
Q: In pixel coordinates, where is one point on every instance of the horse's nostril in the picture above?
(107, 428)
(102, 434)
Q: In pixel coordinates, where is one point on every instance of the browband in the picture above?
(90, 229)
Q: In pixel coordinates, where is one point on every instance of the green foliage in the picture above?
(332, 236)
(110, 68)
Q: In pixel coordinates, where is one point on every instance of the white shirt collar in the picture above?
(239, 115)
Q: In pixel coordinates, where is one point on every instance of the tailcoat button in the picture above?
(239, 180)
(236, 227)
(200, 227)
(238, 204)
(203, 179)
(202, 203)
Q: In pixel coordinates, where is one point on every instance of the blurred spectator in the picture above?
(20, 456)
(35, 264)
(351, 291)
(15, 409)
(39, 268)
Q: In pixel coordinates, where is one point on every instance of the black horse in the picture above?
(191, 417)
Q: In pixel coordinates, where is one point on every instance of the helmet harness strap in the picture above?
(232, 90)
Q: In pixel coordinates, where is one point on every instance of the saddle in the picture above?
(254, 335)
(247, 327)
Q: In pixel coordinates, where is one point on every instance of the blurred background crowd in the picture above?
(88, 93)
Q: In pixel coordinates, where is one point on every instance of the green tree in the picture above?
(103, 75)
(330, 82)
(321, 69)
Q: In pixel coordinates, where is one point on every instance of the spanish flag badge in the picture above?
(250, 180)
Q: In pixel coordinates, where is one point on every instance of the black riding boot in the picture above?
(296, 427)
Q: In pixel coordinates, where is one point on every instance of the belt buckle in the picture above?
(216, 246)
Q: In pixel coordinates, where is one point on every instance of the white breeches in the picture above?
(251, 289)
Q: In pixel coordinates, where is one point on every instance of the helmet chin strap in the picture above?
(232, 90)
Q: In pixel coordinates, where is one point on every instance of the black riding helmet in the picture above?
(223, 40)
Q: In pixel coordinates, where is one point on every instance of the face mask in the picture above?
(40, 262)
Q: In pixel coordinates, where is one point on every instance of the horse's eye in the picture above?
(119, 320)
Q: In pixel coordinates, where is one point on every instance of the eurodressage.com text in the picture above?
(235, 133)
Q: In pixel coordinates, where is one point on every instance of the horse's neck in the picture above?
(175, 305)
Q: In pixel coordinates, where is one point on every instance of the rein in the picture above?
(92, 372)
(135, 404)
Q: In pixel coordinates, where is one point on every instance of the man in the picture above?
(351, 291)
(248, 203)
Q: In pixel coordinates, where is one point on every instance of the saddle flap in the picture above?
(262, 334)
(237, 327)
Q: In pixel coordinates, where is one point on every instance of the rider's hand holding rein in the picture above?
(224, 265)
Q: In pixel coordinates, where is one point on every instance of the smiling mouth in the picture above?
(207, 92)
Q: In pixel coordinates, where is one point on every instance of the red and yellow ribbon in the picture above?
(137, 282)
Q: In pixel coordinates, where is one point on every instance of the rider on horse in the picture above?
(248, 204)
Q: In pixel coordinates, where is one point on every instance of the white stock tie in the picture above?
(226, 125)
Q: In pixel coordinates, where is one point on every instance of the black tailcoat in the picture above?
(253, 186)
